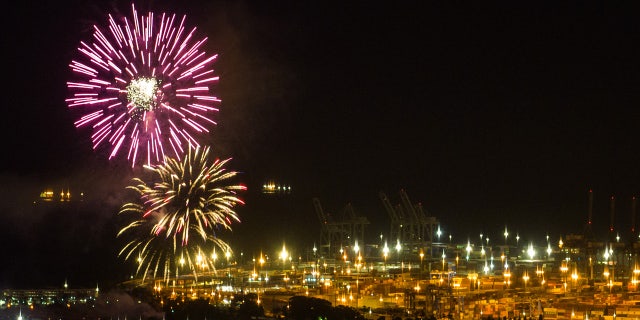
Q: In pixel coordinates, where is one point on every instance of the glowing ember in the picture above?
(142, 93)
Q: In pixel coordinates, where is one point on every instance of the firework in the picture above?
(177, 216)
(143, 86)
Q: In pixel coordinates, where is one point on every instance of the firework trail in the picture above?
(143, 86)
(177, 216)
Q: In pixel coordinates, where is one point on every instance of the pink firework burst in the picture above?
(143, 86)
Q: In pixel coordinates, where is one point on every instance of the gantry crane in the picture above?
(331, 234)
(355, 224)
(337, 233)
(409, 224)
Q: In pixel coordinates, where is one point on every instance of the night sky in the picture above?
(490, 115)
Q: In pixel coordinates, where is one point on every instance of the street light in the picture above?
(525, 277)
(506, 234)
(491, 263)
(531, 251)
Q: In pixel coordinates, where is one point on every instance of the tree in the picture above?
(344, 313)
(308, 308)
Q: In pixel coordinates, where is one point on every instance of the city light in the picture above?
(345, 282)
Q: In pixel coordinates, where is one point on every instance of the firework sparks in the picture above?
(177, 216)
(144, 85)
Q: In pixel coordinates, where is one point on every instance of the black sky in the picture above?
(490, 115)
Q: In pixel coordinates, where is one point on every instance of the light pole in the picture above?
(398, 249)
(228, 256)
(358, 266)
(472, 280)
(609, 253)
(507, 276)
(261, 262)
(214, 256)
(636, 272)
(283, 255)
(613, 265)
(540, 274)
(385, 253)
(444, 256)
(421, 259)
(356, 249)
(606, 276)
(315, 250)
(563, 270)
(344, 259)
